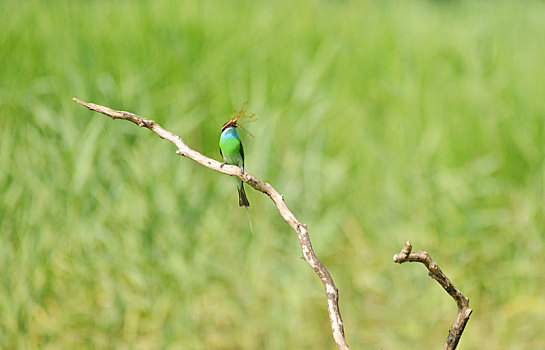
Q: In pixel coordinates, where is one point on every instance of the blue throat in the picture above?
(230, 132)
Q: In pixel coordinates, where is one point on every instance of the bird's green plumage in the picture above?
(233, 153)
(230, 148)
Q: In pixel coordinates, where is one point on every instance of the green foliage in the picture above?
(379, 122)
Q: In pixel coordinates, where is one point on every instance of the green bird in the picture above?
(233, 153)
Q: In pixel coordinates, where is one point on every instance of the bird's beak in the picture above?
(228, 124)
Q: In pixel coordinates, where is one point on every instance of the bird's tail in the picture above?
(242, 199)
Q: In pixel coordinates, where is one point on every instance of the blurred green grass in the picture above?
(380, 122)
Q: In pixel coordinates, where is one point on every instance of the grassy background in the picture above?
(380, 122)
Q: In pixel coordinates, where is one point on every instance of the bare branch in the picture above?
(435, 272)
(332, 293)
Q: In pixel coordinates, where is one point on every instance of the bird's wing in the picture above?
(242, 154)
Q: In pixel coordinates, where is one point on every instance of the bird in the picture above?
(232, 151)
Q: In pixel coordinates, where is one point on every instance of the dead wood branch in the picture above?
(332, 293)
(435, 272)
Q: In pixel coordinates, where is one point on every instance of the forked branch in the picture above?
(435, 272)
(332, 293)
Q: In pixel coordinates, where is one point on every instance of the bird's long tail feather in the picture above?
(249, 220)
(243, 202)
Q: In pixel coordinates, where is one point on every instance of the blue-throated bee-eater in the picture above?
(232, 151)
